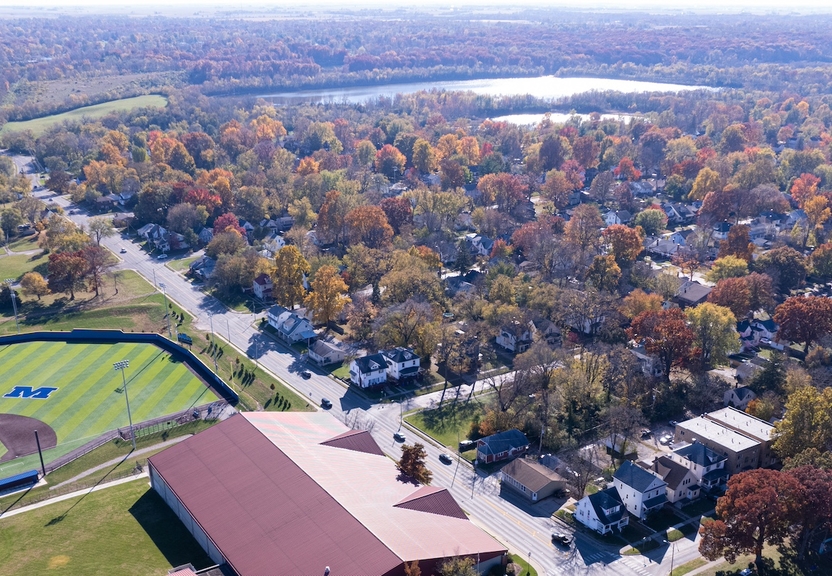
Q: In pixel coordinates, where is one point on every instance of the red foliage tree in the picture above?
(624, 243)
(665, 334)
(627, 170)
(804, 319)
(733, 293)
(399, 211)
(203, 197)
(226, 222)
(804, 187)
(738, 243)
(368, 224)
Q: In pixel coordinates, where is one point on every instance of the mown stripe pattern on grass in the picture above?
(90, 397)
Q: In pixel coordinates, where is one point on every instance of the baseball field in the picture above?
(70, 394)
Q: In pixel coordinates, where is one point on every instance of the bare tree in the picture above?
(582, 466)
(623, 424)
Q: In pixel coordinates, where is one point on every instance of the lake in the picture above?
(556, 117)
(548, 87)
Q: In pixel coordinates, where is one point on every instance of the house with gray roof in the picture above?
(738, 397)
(289, 326)
(501, 446)
(402, 363)
(369, 371)
(707, 466)
(641, 491)
(692, 293)
(325, 353)
(603, 511)
(531, 480)
(682, 484)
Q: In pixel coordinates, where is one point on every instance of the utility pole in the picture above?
(121, 366)
(10, 281)
(167, 311)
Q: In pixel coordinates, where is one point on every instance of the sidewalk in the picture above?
(73, 495)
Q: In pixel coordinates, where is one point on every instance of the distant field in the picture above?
(89, 399)
(39, 125)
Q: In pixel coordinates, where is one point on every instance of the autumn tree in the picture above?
(289, 270)
(98, 261)
(412, 463)
(390, 161)
(228, 221)
(331, 223)
(734, 294)
(424, 156)
(652, 221)
(100, 228)
(804, 319)
(552, 152)
(822, 260)
(225, 243)
(786, 266)
(759, 508)
(458, 566)
(328, 296)
(584, 228)
(715, 333)
(738, 243)
(727, 267)
(604, 273)
(412, 324)
(185, 217)
(761, 291)
(33, 284)
(627, 170)
(639, 301)
(557, 189)
(707, 181)
(815, 511)
(665, 334)
(623, 242)
(804, 188)
(807, 423)
(505, 190)
(399, 212)
(368, 225)
(67, 272)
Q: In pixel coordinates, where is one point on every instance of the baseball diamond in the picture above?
(71, 394)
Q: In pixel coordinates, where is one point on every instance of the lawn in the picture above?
(88, 399)
(450, 423)
(688, 567)
(181, 264)
(662, 520)
(125, 529)
(16, 266)
(25, 244)
(39, 125)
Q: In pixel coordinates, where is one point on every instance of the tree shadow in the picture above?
(169, 535)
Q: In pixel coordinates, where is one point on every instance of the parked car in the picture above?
(746, 572)
(326, 404)
(562, 539)
(466, 445)
(444, 458)
(674, 422)
(666, 439)
(398, 437)
(162, 257)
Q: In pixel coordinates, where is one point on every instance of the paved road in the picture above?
(477, 493)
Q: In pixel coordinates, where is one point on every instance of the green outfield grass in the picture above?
(90, 399)
(39, 125)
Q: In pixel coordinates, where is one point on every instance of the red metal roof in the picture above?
(262, 511)
(433, 500)
(357, 440)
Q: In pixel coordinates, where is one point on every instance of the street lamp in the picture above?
(167, 312)
(530, 562)
(10, 281)
(213, 356)
(672, 553)
(121, 367)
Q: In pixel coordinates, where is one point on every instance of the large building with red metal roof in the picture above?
(295, 493)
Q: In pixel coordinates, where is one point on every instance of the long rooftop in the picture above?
(701, 428)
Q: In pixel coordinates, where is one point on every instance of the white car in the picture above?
(162, 257)
(665, 440)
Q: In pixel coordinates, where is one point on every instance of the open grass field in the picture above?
(89, 397)
(15, 266)
(124, 529)
(39, 125)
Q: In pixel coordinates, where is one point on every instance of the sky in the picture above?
(653, 5)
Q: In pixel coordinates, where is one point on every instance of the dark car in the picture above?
(466, 445)
(444, 458)
(398, 437)
(325, 403)
(306, 374)
(562, 539)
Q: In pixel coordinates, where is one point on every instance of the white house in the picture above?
(290, 327)
(650, 364)
(603, 511)
(707, 466)
(481, 245)
(402, 363)
(755, 332)
(155, 235)
(738, 397)
(262, 286)
(369, 370)
(641, 491)
(721, 230)
(515, 337)
(682, 484)
(326, 353)
(617, 217)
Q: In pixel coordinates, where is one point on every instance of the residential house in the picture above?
(402, 363)
(692, 293)
(369, 371)
(682, 484)
(741, 452)
(480, 245)
(532, 480)
(127, 197)
(516, 337)
(289, 326)
(206, 235)
(738, 397)
(707, 466)
(271, 244)
(548, 330)
(641, 491)
(751, 427)
(603, 511)
(755, 332)
(501, 446)
(650, 364)
(326, 353)
(262, 287)
(680, 237)
(661, 247)
(155, 235)
(202, 268)
(721, 230)
(617, 217)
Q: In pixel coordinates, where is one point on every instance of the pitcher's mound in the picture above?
(17, 434)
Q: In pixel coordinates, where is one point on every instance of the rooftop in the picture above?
(743, 423)
(530, 474)
(705, 429)
(698, 453)
(636, 477)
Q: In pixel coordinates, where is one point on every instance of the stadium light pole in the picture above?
(10, 281)
(167, 311)
(120, 366)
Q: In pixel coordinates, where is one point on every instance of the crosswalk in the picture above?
(598, 556)
(636, 564)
